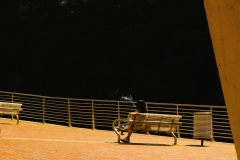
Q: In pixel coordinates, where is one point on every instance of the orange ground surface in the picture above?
(36, 141)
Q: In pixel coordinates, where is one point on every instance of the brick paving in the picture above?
(36, 141)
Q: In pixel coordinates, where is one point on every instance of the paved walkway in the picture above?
(36, 141)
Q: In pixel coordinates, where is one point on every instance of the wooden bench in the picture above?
(12, 109)
(148, 122)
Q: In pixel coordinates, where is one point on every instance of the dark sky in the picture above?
(156, 50)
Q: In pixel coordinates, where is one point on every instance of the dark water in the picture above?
(158, 51)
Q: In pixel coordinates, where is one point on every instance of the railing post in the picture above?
(178, 130)
(147, 133)
(69, 114)
(12, 102)
(177, 109)
(93, 120)
(212, 139)
(12, 97)
(43, 110)
(118, 113)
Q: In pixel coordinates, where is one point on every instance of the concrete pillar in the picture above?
(224, 24)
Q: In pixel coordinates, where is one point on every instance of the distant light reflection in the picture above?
(63, 2)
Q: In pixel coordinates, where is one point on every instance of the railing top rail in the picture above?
(49, 96)
(185, 105)
(97, 100)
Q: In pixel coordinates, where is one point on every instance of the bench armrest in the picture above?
(144, 121)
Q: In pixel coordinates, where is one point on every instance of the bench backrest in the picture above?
(10, 108)
(153, 122)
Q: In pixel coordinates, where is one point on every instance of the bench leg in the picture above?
(175, 138)
(116, 131)
(118, 135)
(17, 119)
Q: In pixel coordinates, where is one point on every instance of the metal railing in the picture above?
(99, 114)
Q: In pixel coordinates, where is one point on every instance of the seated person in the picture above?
(141, 107)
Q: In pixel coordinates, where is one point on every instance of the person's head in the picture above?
(141, 106)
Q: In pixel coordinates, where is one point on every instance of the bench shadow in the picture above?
(6, 123)
(195, 145)
(146, 144)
